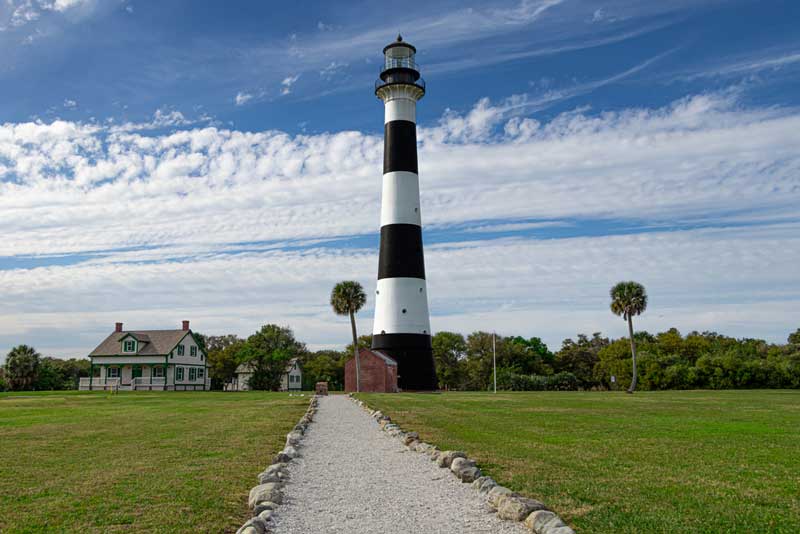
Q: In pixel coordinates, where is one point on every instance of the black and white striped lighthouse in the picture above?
(402, 324)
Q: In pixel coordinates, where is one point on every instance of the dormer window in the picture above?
(181, 350)
(193, 351)
(129, 345)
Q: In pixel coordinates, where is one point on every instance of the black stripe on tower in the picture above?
(399, 146)
(412, 352)
(401, 253)
(408, 341)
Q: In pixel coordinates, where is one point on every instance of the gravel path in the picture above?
(354, 478)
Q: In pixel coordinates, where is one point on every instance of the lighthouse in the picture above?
(402, 323)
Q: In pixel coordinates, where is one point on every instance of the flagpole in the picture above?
(494, 361)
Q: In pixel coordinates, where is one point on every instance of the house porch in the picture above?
(144, 377)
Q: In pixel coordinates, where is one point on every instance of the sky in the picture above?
(221, 162)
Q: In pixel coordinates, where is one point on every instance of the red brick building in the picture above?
(378, 372)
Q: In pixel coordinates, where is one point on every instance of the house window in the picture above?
(129, 345)
(192, 374)
(112, 372)
(178, 373)
(201, 373)
(158, 372)
(180, 350)
(192, 351)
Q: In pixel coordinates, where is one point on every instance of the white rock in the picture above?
(271, 491)
(517, 508)
(447, 457)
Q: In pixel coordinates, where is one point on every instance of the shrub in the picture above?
(508, 380)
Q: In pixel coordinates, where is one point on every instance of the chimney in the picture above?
(118, 327)
(186, 325)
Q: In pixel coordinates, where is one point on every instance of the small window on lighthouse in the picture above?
(420, 290)
(404, 310)
(377, 292)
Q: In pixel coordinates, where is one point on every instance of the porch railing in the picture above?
(148, 383)
(87, 383)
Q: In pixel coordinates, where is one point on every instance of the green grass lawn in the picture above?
(699, 461)
(136, 462)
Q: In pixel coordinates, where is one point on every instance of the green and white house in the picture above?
(148, 360)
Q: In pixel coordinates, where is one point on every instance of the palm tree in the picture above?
(629, 299)
(22, 367)
(346, 299)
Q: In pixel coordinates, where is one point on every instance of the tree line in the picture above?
(26, 369)
(666, 360)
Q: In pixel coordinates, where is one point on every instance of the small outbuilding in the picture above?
(378, 372)
(292, 379)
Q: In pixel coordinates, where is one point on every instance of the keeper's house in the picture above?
(148, 360)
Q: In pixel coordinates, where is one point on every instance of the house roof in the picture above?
(152, 342)
(382, 355)
(247, 367)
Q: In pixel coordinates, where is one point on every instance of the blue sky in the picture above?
(162, 161)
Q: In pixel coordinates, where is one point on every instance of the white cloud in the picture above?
(192, 195)
(64, 5)
(287, 84)
(243, 98)
(332, 69)
(70, 104)
(23, 12)
(162, 119)
(699, 156)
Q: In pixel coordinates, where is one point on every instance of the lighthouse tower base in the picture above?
(415, 368)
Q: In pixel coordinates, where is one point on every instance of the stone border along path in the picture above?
(509, 505)
(266, 497)
(353, 478)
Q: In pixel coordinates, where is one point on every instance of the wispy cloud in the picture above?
(287, 83)
(162, 118)
(514, 227)
(750, 65)
(501, 34)
(332, 69)
(242, 98)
